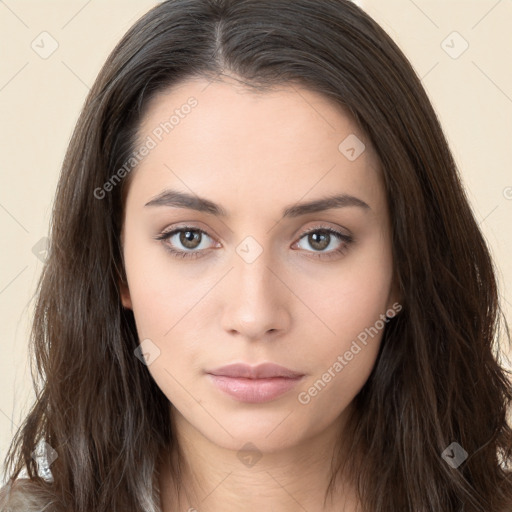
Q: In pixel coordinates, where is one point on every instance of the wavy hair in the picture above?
(438, 377)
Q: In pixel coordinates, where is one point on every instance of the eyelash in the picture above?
(192, 254)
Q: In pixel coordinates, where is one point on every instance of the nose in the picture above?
(256, 300)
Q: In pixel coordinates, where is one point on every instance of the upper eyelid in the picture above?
(337, 232)
(205, 231)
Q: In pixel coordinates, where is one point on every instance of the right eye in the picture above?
(188, 237)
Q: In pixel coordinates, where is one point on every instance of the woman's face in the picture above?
(257, 278)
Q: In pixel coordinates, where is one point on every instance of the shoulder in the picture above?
(25, 495)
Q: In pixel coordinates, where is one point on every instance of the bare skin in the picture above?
(299, 303)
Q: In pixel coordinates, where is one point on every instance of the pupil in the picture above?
(188, 239)
(313, 239)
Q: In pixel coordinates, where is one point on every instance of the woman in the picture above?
(265, 289)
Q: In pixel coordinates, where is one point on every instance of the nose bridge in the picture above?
(257, 302)
(252, 275)
(253, 279)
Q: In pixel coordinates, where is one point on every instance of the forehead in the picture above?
(236, 143)
(229, 111)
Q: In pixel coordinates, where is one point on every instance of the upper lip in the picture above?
(260, 371)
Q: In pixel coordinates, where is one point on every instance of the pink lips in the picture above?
(254, 384)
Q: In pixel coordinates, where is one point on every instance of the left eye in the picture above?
(191, 238)
(321, 238)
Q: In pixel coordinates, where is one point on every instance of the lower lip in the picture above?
(254, 390)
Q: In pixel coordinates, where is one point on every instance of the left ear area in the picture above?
(394, 302)
(125, 295)
(122, 281)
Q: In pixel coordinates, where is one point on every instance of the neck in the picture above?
(215, 479)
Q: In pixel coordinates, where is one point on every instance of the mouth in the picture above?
(254, 384)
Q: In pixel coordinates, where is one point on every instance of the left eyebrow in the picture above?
(176, 199)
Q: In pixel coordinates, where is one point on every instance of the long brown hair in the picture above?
(437, 379)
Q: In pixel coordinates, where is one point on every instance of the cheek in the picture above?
(344, 359)
(352, 308)
(165, 301)
(164, 315)
(353, 297)
(162, 291)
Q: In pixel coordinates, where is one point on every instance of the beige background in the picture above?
(40, 99)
